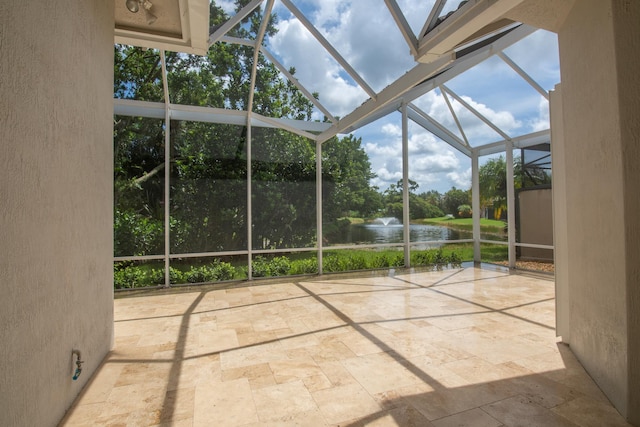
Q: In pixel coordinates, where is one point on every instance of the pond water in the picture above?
(377, 232)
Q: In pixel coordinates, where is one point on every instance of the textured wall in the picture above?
(56, 76)
(626, 16)
(599, 62)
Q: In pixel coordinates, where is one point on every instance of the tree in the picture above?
(454, 198)
(433, 197)
(493, 183)
(419, 207)
(346, 174)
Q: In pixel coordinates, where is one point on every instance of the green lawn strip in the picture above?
(488, 252)
(486, 225)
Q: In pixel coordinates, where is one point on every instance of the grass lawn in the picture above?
(486, 225)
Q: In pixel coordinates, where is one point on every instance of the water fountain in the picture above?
(387, 220)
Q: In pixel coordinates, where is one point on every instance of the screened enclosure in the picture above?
(289, 148)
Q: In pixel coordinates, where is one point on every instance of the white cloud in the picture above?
(391, 129)
(542, 121)
(435, 163)
(382, 150)
(228, 6)
(432, 163)
(461, 179)
(386, 177)
(423, 143)
(476, 131)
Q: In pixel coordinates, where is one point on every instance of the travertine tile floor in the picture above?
(468, 347)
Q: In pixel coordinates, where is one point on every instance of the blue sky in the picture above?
(366, 35)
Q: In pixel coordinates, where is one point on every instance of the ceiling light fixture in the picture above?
(134, 6)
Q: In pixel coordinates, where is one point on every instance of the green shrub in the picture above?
(380, 261)
(333, 264)
(200, 274)
(223, 271)
(260, 267)
(130, 276)
(422, 258)
(214, 272)
(279, 266)
(304, 266)
(464, 211)
(455, 260)
(440, 258)
(156, 276)
(356, 262)
(176, 276)
(397, 261)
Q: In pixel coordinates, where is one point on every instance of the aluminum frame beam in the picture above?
(511, 63)
(523, 141)
(476, 112)
(156, 110)
(455, 117)
(432, 125)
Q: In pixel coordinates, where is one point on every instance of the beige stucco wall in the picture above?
(626, 16)
(56, 76)
(600, 91)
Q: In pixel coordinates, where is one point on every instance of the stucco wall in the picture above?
(56, 76)
(626, 16)
(602, 174)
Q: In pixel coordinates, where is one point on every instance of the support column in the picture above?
(167, 173)
(475, 205)
(511, 205)
(405, 186)
(249, 201)
(319, 204)
(560, 218)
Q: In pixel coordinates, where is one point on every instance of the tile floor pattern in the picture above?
(467, 347)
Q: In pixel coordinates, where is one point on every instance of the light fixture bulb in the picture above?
(132, 5)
